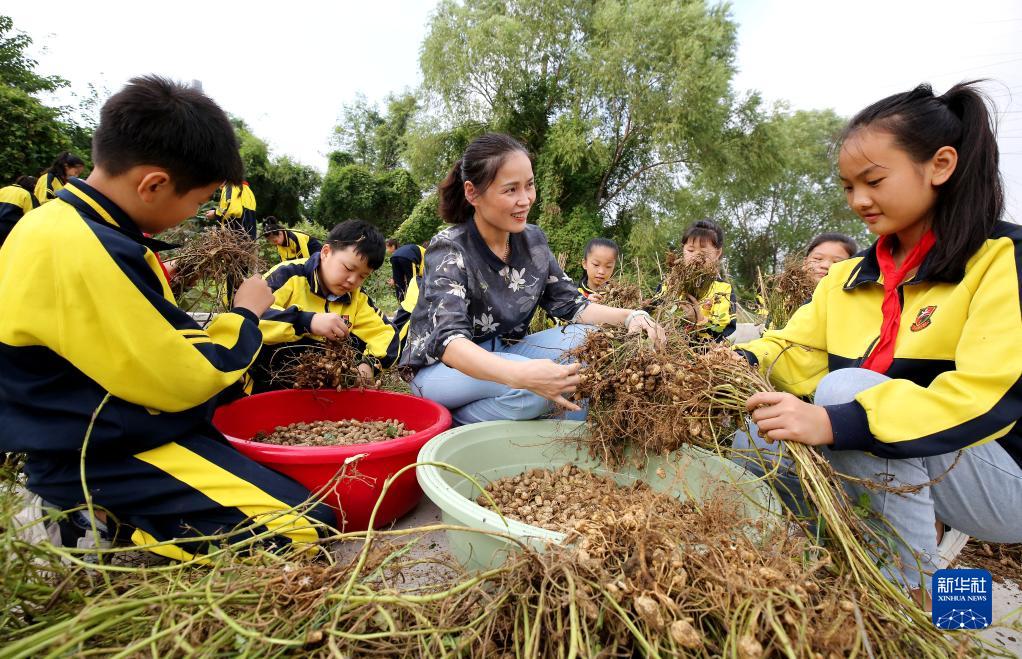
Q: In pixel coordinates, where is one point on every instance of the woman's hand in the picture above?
(787, 418)
(548, 379)
(644, 323)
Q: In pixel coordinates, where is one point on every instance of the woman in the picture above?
(484, 279)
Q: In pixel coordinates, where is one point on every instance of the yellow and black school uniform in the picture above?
(237, 208)
(297, 245)
(954, 359)
(718, 305)
(15, 202)
(584, 288)
(299, 294)
(47, 187)
(408, 262)
(89, 313)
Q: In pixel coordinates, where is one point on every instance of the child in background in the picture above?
(15, 201)
(91, 333)
(896, 400)
(65, 166)
(290, 244)
(406, 265)
(236, 208)
(320, 298)
(598, 265)
(715, 311)
(825, 250)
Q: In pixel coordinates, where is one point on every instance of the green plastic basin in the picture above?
(493, 450)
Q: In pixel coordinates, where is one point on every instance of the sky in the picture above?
(288, 68)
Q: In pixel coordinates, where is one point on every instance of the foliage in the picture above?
(423, 222)
(31, 134)
(612, 97)
(772, 189)
(283, 187)
(17, 69)
(375, 141)
(353, 191)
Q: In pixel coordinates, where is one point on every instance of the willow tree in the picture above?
(612, 96)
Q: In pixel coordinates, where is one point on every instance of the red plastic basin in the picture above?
(314, 466)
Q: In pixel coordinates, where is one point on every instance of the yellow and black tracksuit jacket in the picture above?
(299, 295)
(87, 310)
(957, 370)
(583, 287)
(47, 187)
(719, 306)
(15, 202)
(237, 207)
(297, 245)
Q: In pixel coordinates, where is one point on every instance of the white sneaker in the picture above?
(950, 546)
(32, 523)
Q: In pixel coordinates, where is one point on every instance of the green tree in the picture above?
(423, 222)
(376, 141)
(31, 134)
(612, 96)
(283, 188)
(772, 189)
(17, 69)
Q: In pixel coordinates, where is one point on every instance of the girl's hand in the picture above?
(699, 318)
(548, 379)
(650, 327)
(787, 418)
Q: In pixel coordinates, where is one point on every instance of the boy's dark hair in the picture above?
(155, 121)
(846, 241)
(479, 164)
(971, 201)
(366, 238)
(705, 229)
(62, 162)
(391, 242)
(27, 182)
(601, 242)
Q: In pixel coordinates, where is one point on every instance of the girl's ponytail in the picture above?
(971, 201)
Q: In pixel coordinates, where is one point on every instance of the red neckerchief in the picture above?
(883, 354)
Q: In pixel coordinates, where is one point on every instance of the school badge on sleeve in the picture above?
(923, 318)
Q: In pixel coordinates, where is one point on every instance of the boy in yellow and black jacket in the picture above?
(15, 201)
(98, 365)
(321, 297)
(290, 244)
(237, 208)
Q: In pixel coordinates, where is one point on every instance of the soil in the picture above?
(347, 432)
